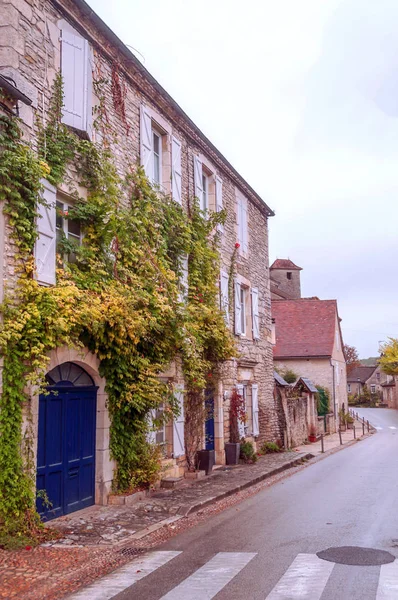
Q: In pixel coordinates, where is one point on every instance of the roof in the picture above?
(388, 384)
(279, 379)
(275, 289)
(362, 373)
(136, 65)
(304, 328)
(9, 85)
(308, 384)
(285, 263)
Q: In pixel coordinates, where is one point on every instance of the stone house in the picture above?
(38, 40)
(285, 281)
(308, 340)
(376, 382)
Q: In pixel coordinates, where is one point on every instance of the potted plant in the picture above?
(312, 436)
(342, 420)
(206, 459)
(349, 421)
(236, 414)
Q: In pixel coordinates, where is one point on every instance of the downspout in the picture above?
(334, 390)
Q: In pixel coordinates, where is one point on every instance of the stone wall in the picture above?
(291, 286)
(298, 410)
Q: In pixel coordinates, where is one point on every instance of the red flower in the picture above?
(237, 245)
(28, 547)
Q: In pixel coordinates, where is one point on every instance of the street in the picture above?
(347, 499)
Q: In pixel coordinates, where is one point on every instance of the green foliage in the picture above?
(121, 298)
(270, 447)
(289, 376)
(389, 357)
(247, 452)
(323, 400)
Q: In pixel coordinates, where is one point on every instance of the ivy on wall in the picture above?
(121, 298)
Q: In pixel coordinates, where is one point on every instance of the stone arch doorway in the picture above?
(66, 447)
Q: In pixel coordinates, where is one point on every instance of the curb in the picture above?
(199, 505)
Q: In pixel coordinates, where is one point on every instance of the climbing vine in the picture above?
(122, 297)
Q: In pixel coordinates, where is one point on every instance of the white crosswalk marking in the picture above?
(207, 581)
(388, 582)
(392, 427)
(305, 579)
(379, 428)
(111, 585)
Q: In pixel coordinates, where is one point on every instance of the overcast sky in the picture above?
(302, 98)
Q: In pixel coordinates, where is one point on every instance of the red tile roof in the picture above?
(285, 263)
(304, 327)
(362, 373)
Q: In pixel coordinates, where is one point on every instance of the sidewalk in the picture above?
(332, 442)
(99, 539)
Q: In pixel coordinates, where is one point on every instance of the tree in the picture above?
(351, 358)
(389, 357)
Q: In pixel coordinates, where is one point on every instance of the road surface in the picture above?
(266, 547)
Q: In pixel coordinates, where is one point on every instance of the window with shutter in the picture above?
(198, 179)
(183, 283)
(176, 172)
(146, 142)
(219, 204)
(255, 314)
(238, 309)
(178, 424)
(241, 389)
(76, 69)
(256, 424)
(224, 295)
(45, 246)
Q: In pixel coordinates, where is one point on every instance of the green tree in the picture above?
(389, 357)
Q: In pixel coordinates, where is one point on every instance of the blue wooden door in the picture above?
(66, 450)
(209, 424)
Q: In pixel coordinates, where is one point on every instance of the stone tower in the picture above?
(286, 278)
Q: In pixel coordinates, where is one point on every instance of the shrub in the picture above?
(289, 376)
(270, 447)
(247, 452)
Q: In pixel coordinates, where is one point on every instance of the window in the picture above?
(69, 228)
(373, 389)
(204, 205)
(255, 314)
(243, 310)
(157, 157)
(289, 275)
(378, 376)
(349, 388)
(76, 72)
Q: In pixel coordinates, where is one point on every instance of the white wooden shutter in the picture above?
(224, 294)
(219, 204)
(184, 278)
(241, 424)
(77, 78)
(176, 173)
(256, 425)
(239, 219)
(255, 314)
(244, 226)
(151, 436)
(178, 424)
(146, 142)
(198, 179)
(45, 246)
(238, 309)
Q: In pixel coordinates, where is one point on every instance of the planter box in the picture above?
(312, 439)
(206, 459)
(232, 452)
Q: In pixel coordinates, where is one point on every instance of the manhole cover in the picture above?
(132, 551)
(354, 555)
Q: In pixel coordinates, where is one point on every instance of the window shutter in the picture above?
(146, 142)
(255, 315)
(219, 205)
(178, 424)
(45, 246)
(256, 427)
(224, 294)
(245, 241)
(77, 77)
(241, 424)
(151, 436)
(184, 278)
(239, 219)
(197, 164)
(238, 327)
(176, 174)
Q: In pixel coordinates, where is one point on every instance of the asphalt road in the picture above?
(348, 499)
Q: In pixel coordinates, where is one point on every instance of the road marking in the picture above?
(388, 582)
(392, 427)
(210, 579)
(111, 585)
(305, 579)
(378, 427)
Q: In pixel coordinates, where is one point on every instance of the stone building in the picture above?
(380, 385)
(285, 280)
(39, 39)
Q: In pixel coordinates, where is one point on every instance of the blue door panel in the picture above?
(66, 450)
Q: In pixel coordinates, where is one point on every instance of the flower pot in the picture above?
(232, 452)
(205, 460)
(312, 438)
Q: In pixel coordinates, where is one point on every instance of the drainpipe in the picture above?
(334, 390)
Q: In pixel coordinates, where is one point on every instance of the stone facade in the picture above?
(285, 280)
(30, 53)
